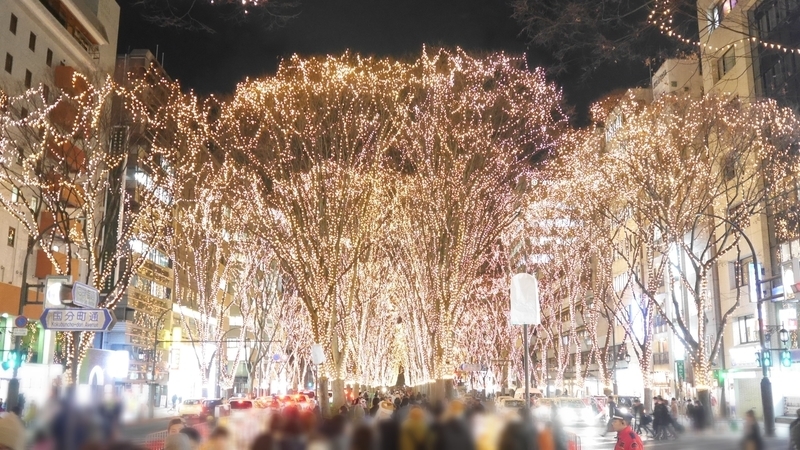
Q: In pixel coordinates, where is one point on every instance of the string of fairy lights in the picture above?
(662, 16)
(392, 200)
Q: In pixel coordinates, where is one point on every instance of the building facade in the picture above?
(41, 43)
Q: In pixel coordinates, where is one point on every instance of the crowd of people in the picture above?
(401, 421)
(397, 421)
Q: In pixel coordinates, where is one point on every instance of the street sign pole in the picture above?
(525, 364)
(525, 310)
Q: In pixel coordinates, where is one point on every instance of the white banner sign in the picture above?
(525, 309)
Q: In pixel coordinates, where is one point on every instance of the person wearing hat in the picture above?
(627, 439)
(12, 433)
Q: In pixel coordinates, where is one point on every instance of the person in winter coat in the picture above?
(453, 432)
(414, 433)
(376, 404)
(627, 439)
(752, 435)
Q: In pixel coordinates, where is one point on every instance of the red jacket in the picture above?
(627, 439)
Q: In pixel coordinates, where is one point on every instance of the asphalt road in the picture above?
(136, 432)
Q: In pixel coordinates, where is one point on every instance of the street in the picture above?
(717, 439)
(136, 432)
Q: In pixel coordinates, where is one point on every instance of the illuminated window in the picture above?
(12, 236)
(14, 194)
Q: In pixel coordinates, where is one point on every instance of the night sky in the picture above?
(215, 62)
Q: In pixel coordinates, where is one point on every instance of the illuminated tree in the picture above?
(205, 246)
(316, 138)
(472, 126)
(687, 169)
(63, 153)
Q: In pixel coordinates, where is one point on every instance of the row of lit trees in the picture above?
(379, 208)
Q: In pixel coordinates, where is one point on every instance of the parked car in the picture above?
(240, 405)
(575, 411)
(191, 408)
(210, 407)
(509, 404)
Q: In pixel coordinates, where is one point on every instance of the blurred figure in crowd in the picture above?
(218, 440)
(452, 431)
(177, 441)
(414, 431)
(12, 433)
(752, 435)
(194, 437)
(175, 426)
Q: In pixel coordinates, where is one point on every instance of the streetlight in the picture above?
(783, 335)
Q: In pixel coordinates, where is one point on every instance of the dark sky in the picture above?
(215, 62)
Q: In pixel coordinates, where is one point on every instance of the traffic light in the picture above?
(719, 375)
(766, 358)
(758, 358)
(13, 359)
(786, 358)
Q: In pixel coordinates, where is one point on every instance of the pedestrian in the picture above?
(752, 435)
(674, 408)
(12, 433)
(218, 440)
(414, 433)
(174, 401)
(376, 404)
(175, 426)
(794, 433)
(612, 410)
(194, 437)
(177, 441)
(627, 439)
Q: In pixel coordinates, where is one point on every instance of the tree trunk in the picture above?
(338, 395)
(324, 404)
(648, 399)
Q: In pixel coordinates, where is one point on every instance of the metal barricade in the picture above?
(155, 441)
(573, 441)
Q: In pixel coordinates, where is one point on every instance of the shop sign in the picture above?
(744, 356)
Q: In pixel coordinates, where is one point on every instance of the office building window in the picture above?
(726, 63)
(14, 194)
(28, 79)
(23, 113)
(12, 26)
(32, 42)
(46, 93)
(12, 236)
(9, 62)
(745, 329)
(49, 58)
(743, 269)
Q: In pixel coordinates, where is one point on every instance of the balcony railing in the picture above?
(92, 49)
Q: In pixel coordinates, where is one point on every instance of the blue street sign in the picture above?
(20, 321)
(77, 319)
